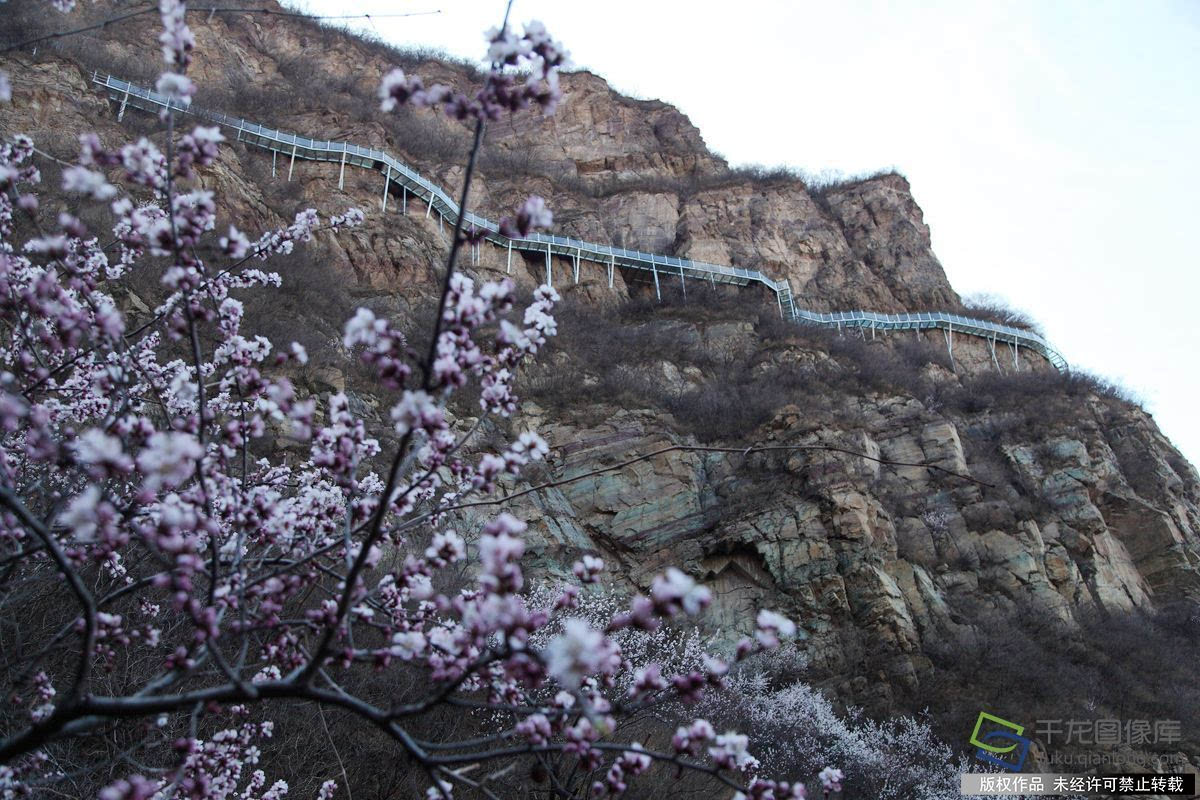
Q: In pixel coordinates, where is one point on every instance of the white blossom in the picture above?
(831, 778)
(771, 627)
(80, 514)
(580, 651)
(176, 87)
(168, 459)
(87, 182)
(95, 447)
(408, 644)
(417, 411)
(675, 590)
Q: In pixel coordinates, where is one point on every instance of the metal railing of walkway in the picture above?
(293, 146)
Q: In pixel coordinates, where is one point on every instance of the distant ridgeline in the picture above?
(398, 175)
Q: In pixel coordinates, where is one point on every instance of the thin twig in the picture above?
(333, 744)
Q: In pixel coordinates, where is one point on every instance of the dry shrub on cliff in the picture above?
(328, 34)
(653, 354)
(24, 20)
(283, 196)
(824, 183)
(684, 186)
(306, 307)
(722, 385)
(1055, 395)
(759, 176)
(635, 356)
(724, 411)
(267, 102)
(822, 186)
(997, 309)
(893, 364)
(1024, 665)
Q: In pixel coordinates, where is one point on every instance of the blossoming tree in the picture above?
(159, 575)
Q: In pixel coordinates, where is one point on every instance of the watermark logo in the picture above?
(999, 742)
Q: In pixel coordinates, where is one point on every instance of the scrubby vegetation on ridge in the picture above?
(1123, 665)
(631, 354)
(997, 309)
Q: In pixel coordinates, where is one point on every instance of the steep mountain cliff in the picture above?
(927, 496)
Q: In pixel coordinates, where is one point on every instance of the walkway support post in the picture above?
(549, 277)
(508, 267)
(387, 179)
(292, 166)
(950, 344)
(654, 269)
(612, 267)
(342, 174)
(274, 158)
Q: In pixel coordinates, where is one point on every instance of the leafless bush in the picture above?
(731, 410)
(996, 309)
(684, 186)
(24, 21)
(621, 352)
(1055, 394)
(822, 184)
(1135, 665)
(305, 308)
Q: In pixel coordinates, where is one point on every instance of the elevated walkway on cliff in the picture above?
(660, 267)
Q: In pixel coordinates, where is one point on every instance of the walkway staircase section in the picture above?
(661, 267)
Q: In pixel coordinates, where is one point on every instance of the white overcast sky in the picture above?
(1051, 144)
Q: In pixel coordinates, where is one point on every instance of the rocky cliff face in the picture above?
(1064, 503)
(973, 514)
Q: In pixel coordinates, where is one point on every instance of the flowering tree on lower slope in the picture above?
(798, 731)
(164, 585)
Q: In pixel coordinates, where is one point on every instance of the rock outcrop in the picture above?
(1096, 514)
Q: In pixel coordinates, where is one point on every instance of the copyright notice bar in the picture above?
(984, 783)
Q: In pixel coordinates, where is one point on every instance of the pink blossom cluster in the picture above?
(533, 215)
(535, 53)
(177, 43)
